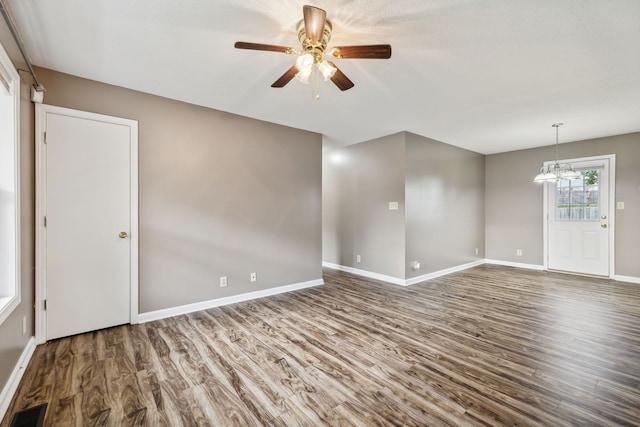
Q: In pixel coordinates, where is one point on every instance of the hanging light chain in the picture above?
(557, 171)
(557, 126)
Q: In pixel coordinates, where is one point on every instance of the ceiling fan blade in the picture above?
(314, 20)
(267, 47)
(374, 51)
(340, 79)
(286, 77)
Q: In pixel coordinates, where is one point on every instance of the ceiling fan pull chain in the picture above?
(315, 82)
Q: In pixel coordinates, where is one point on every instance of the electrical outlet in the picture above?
(24, 325)
(476, 251)
(254, 277)
(223, 281)
(518, 252)
(358, 258)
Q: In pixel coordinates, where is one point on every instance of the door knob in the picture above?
(603, 225)
(122, 234)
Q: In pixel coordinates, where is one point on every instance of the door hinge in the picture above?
(45, 221)
(45, 304)
(45, 137)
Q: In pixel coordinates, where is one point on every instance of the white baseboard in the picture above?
(514, 264)
(629, 279)
(617, 277)
(444, 272)
(398, 281)
(11, 386)
(365, 273)
(190, 308)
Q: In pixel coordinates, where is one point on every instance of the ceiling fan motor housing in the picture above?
(315, 49)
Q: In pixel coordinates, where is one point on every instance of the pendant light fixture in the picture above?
(556, 171)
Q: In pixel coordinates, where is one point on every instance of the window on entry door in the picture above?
(578, 199)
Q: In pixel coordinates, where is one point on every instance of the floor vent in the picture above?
(32, 417)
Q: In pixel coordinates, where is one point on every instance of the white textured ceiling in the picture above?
(486, 75)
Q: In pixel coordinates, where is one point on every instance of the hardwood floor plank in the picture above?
(128, 408)
(486, 346)
(95, 394)
(63, 413)
(287, 380)
(40, 377)
(175, 407)
(168, 370)
(427, 396)
(304, 410)
(220, 408)
(64, 367)
(151, 397)
(141, 347)
(237, 382)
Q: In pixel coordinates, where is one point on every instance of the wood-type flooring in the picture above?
(486, 346)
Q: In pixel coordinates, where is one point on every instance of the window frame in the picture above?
(10, 296)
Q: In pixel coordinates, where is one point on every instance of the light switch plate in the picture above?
(620, 206)
(393, 206)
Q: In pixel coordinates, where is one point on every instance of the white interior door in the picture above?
(579, 220)
(88, 222)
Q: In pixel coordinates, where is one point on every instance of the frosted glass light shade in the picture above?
(326, 69)
(304, 64)
(569, 174)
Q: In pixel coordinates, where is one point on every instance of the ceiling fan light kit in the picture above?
(556, 171)
(314, 34)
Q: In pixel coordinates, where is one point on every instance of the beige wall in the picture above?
(12, 342)
(219, 195)
(440, 220)
(358, 183)
(514, 202)
(444, 205)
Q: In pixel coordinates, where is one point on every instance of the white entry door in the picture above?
(88, 230)
(579, 238)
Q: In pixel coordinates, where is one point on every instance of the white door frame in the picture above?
(611, 214)
(41, 192)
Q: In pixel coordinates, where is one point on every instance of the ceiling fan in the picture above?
(314, 32)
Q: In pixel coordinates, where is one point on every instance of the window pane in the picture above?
(578, 199)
